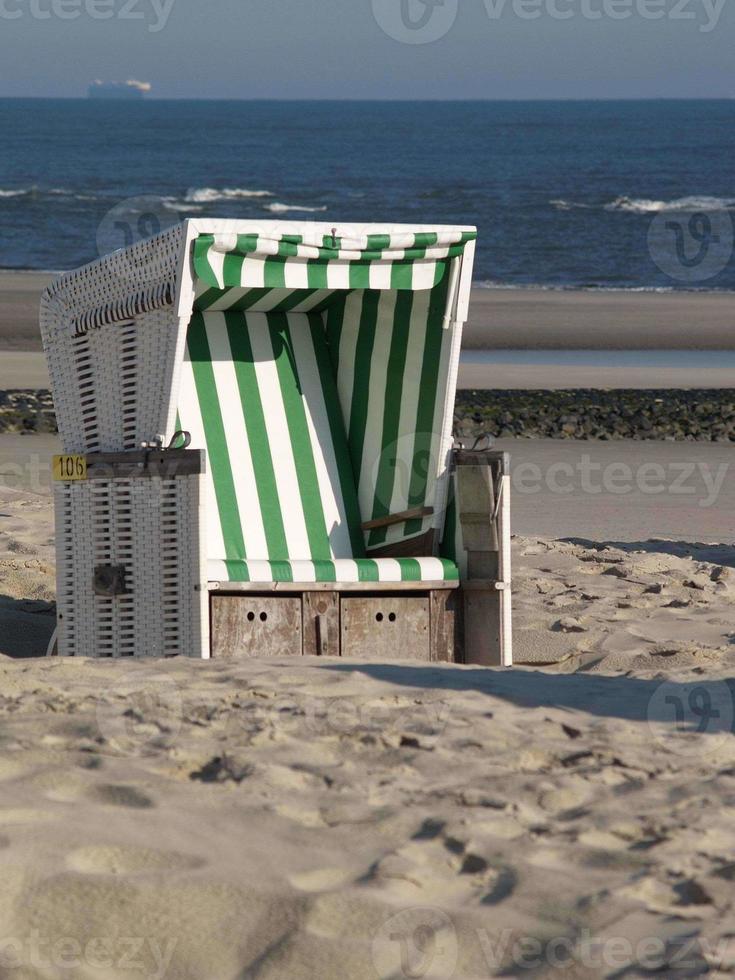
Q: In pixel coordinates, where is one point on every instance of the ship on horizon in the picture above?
(131, 90)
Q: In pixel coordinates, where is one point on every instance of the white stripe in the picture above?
(320, 434)
(191, 421)
(238, 446)
(380, 275)
(279, 438)
(423, 274)
(432, 569)
(312, 302)
(259, 571)
(388, 570)
(296, 274)
(217, 571)
(303, 571)
(372, 454)
(338, 275)
(216, 261)
(253, 272)
(345, 570)
(228, 299)
(269, 301)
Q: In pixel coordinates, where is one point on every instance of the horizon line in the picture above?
(508, 99)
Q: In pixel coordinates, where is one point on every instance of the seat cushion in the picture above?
(341, 571)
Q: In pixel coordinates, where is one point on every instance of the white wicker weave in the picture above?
(152, 527)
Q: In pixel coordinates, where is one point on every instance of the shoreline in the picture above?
(500, 318)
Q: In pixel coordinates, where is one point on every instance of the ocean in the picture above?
(632, 195)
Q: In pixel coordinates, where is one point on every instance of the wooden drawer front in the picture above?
(385, 628)
(255, 626)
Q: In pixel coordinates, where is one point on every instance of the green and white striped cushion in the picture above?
(342, 570)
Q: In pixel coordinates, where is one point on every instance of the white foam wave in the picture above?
(17, 193)
(278, 208)
(206, 195)
(643, 205)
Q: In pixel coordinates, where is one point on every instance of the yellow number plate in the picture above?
(70, 468)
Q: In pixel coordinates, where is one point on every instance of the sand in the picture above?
(515, 338)
(309, 818)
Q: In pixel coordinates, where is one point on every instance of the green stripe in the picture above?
(232, 268)
(249, 299)
(395, 383)
(202, 267)
(281, 571)
(401, 275)
(426, 403)
(334, 325)
(316, 273)
(378, 243)
(237, 570)
(205, 299)
(451, 572)
(410, 570)
(361, 383)
(359, 275)
(324, 571)
(301, 447)
(260, 449)
(348, 490)
(293, 299)
(367, 571)
(214, 429)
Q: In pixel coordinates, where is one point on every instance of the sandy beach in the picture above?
(569, 817)
(304, 818)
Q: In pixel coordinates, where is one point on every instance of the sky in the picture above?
(372, 49)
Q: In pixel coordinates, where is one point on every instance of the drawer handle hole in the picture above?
(263, 617)
(379, 617)
(251, 616)
(392, 617)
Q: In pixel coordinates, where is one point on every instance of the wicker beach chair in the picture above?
(256, 423)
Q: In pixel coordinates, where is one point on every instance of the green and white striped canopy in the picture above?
(390, 261)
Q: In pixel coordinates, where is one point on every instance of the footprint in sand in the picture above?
(120, 795)
(104, 859)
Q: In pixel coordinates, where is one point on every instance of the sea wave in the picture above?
(278, 208)
(643, 205)
(207, 195)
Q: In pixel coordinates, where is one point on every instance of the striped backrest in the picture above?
(258, 393)
(391, 352)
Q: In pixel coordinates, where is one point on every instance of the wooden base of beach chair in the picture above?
(420, 625)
